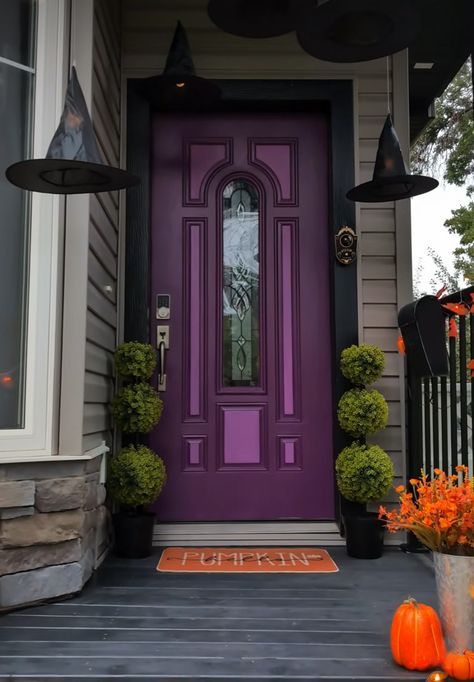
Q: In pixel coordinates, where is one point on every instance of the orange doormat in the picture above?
(246, 560)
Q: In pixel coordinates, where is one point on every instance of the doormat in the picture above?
(246, 560)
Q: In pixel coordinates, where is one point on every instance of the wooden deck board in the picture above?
(132, 623)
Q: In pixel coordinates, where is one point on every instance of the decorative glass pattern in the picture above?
(241, 296)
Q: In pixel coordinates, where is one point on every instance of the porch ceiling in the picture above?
(446, 40)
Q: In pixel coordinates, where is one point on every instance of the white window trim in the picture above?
(38, 438)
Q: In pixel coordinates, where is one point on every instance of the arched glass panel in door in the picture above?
(241, 274)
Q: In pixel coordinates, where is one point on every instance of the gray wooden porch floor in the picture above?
(133, 623)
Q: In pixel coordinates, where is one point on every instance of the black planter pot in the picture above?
(364, 535)
(133, 534)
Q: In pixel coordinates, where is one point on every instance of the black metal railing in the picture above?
(440, 410)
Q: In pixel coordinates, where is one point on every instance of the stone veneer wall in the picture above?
(54, 529)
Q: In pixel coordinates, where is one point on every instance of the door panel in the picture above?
(240, 243)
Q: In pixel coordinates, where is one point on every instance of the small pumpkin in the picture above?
(460, 666)
(416, 636)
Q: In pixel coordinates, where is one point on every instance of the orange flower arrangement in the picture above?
(440, 512)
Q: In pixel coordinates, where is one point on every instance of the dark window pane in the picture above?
(16, 24)
(15, 99)
(241, 296)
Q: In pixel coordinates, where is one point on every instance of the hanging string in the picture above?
(388, 86)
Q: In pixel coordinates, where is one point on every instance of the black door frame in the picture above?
(334, 96)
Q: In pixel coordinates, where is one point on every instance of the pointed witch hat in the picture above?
(73, 164)
(254, 18)
(178, 86)
(349, 31)
(391, 180)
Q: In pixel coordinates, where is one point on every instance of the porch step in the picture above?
(256, 534)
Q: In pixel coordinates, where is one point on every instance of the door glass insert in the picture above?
(241, 296)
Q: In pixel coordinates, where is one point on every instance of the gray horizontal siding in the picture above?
(101, 332)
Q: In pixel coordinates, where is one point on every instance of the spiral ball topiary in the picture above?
(364, 473)
(134, 360)
(362, 411)
(136, 476)
(362, 365)
(137, 408)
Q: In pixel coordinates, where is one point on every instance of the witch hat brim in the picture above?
(345, 31)
(392, 189)
(253, 18)
(73, 164)
(391, 180)
(63, 176)
(178, 86)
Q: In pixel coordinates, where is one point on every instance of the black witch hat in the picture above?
(73, 164)
(253, 18)
(391, 180)
(178, 86)
(349, 31)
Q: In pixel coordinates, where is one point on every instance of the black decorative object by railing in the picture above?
(440, 409)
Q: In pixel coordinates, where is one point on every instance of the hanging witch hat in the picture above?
(349, 31)
(391, 180)
(178, 86)
(253, 18)
(73, 164)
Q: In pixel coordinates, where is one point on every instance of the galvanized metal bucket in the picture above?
(455, 585)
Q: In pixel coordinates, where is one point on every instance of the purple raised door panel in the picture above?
(240, 242)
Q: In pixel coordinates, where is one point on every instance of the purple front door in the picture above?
(240, 244)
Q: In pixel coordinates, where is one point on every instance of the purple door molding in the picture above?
(246, 433)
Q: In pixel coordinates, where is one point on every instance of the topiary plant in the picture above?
(364, 473)
(137, 408)
(362, 365)
(136, 476)
(362, 411)
(134, 360)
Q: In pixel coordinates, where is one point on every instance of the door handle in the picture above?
(162, 366)
(163, 343)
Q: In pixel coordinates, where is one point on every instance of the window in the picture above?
(241, 296)
(17, 31)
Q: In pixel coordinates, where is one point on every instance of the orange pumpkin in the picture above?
(460, 666)
(416, 637)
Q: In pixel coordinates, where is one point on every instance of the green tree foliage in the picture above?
(134, 360)
(362, 411)
(364, 473)
(137, 408)
(136, 476)
(362, 365)
(448, 143)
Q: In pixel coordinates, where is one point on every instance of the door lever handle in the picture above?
(162, 366)
(163, 343)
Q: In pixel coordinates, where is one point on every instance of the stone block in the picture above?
(93, 465)
(90, 495)
(104, 533)
(42, 583)
(90, 521)
(15, 512)
(42, 529)
(101, 494)
(39, 471)
(28, 558)
(17, 494)
(87, 561)
(60, 493)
